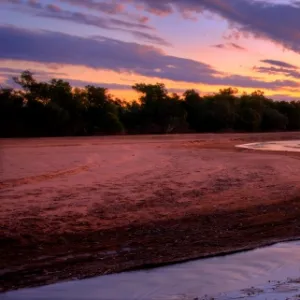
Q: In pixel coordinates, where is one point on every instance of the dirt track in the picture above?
(78, 207)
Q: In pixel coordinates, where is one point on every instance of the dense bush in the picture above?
(54, 108)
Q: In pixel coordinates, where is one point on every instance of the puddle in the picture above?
(291, 146)
(190, 280)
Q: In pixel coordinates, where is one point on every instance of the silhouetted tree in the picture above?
(160, 112)
(55, 108)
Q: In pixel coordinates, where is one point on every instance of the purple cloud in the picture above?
(219, 46)
(230, 46)
(236, 46)
(109, 7)
(54, 11)
(248, 16)
(110, 86)
(278, 67)
(119, 56)
(8, 73)
(9, 82)
(105, 7)
(137, 29)
(278, 71)
(279, 63)
(279, 22)
(13, 72)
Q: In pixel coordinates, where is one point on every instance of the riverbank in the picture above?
(77, 208)
(265, 273)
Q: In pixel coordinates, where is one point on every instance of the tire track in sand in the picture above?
(39, 178)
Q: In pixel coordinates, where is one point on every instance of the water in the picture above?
(291, 146)
(181, 281)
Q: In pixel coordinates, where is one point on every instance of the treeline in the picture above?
(54, 108)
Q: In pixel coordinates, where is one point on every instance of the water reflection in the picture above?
(293, 146)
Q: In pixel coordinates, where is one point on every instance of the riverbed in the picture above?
(85, 207)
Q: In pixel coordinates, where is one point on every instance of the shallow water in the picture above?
(181, 281)
(291, 146)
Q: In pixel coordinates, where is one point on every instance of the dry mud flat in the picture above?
(80, 207)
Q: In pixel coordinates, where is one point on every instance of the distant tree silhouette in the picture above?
(55, 108)
(160, 112)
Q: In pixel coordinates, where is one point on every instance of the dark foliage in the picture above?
(54, 108)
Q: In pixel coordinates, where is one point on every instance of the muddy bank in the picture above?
(77, 208)
(263, 273)
(109, 251)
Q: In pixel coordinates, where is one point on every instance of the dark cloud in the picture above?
(14, 72)
(32, 3)
(124, 57)
(160, 8)
(145, 36)
(278, 63)
(137, 29)
(279, 22)
(278, 67)
(220, 46)
(230, 46)
(279, 71)
(54, 11)
(110, 86)
(10, 1)
(238, 47)
(8, 73)
(111, 7)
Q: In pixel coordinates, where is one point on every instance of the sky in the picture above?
(187, 44)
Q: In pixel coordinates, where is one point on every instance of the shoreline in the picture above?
(86, 265)
(256, 273)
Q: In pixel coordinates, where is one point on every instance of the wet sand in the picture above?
(81, 207)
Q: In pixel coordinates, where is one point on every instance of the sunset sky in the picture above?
(200, 44)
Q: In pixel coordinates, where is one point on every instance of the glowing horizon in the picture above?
(200, 45)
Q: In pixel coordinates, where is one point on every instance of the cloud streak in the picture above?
(13, 72)
(124, 57)
(278, 71)
(137, 29)
(230, 46)
(277, 67)
(109, 7)
(279, 63)
(105, 7)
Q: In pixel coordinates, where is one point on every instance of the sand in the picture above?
(81, 207)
